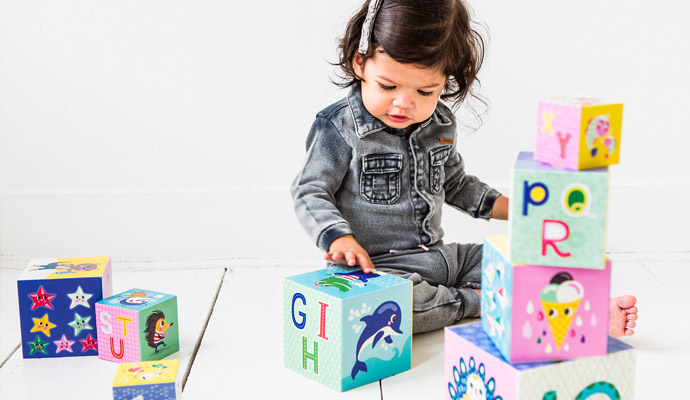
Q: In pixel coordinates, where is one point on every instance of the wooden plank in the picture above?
(242, 350)
(9, 315)
(55, 377)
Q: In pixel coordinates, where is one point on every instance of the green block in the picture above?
(557, 216)
(344, 328)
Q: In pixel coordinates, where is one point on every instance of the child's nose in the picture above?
(403, 101)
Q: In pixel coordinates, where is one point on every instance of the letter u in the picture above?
(122, 349)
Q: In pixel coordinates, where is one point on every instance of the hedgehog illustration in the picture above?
(155, 329)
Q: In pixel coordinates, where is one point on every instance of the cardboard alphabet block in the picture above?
(543, 313)
(344, 328)
(557, 217)
(578, 133)
(57, 298)
(137, 325)
(149, 380)
(475, 369)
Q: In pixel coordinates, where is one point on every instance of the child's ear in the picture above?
(358, 66)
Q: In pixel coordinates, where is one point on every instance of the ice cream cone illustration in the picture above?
(560, 299)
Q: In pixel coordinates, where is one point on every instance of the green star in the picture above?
(38, 345)
(80, 323)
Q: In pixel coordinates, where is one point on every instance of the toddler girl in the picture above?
(382, 161)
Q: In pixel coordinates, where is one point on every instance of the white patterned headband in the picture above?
(368, 26)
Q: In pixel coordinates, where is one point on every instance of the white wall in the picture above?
(172, 129)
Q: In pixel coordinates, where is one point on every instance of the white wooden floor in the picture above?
(231, 335)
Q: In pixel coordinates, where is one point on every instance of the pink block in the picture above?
(544, 313)
(118, 334)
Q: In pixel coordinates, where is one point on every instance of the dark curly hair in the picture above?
(428, 33)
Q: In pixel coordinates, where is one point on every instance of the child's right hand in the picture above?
(346, 251)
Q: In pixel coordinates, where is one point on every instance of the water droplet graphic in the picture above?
(530, 307)
(566, 347)
(578, 321)
(549, 349)
(527, 330)
(587, 305)
(593, 321)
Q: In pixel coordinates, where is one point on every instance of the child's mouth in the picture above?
(398, 118)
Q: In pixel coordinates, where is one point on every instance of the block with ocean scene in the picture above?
(578, 133)
(557, 217)
(543, 313)
(475, 369)
(137, 325)
(147, 380)
(57, 305)
(344, 328)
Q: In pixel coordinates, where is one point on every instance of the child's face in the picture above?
(398, 94)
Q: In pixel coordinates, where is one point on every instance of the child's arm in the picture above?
(345, 250)
(500, 209)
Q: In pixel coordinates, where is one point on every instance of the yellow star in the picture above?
(43, 325)
(548, 119)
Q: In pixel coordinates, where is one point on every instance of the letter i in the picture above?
(322, 325)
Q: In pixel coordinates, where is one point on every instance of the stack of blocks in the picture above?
(545, 286)
(345, 328)
(137, 325)
(57, 298)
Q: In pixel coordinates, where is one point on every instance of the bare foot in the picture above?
(622, 316)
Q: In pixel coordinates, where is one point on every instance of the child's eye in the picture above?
(423, 93)
(386, 88)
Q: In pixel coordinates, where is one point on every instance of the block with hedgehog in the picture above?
(475, 369)
(578, 133)
(345, 328)
(147, 380)
(57, 298)
(557, 217)
(543, 313)
(137, 325)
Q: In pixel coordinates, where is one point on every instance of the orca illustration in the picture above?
(384, 322)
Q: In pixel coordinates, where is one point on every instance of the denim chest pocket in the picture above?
(437, 158)
(380, 179)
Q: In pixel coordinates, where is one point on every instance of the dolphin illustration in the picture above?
(384, 322)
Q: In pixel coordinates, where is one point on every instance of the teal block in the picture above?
(557, 216)
(344, 328)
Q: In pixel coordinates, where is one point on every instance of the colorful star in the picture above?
(42, 325)
(547, 127)
(80, 323)
(89, 343)
(38, 345)
(41, 298)
(79, 298)
(63, 344)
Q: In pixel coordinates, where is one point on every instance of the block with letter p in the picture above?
(345, 328)
(578, 133)
(558, 217)
(137, 325)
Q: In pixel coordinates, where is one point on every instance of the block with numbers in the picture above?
(345, 328)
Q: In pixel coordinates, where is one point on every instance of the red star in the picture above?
(41, 298)
(89, 343)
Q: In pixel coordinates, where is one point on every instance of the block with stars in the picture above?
(474, 369)
(543, 313)
(578, 133)
(57, 298)
(137, 325)
(558, 217)
(345, 328)
(147, 380)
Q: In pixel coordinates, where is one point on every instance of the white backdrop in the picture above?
(151, 130)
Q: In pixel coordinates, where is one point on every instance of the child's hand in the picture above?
(346, 251)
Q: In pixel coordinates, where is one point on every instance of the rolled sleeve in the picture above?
(466, 192)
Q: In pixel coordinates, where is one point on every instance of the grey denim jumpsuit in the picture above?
(387, 187)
